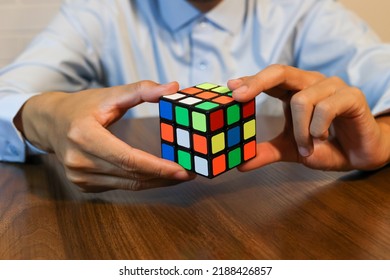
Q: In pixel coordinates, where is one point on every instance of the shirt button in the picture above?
(203, 65)
(202, 23)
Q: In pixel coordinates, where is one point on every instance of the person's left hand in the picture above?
(328, 126)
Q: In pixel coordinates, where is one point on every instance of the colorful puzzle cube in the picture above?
(205, 130)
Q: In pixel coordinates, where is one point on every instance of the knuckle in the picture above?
(75, 133)
(318, 75)
(299, 101)
(357, 93)
(132, 185)
(128, 162)
(335, 80)
(135, 186)
(71, 160)
(323, 114)
(158, 173)
(85, 182)
(315, 76)
(323, 109)
(317, 132)
(143, 85)
(278, 68)
(76, 178)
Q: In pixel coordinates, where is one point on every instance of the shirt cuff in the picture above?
(12, 143)
(382, 107)
(32, 150)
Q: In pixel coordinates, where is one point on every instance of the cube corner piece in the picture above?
(205, 130)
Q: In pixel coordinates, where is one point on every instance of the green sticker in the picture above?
(233, 114)
(207, 105)
(206, 86)
(234, 157)
(222, 90)
(182, 116)
(199, 121)
(184, 159)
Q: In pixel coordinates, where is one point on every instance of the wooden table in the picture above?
(282, 211)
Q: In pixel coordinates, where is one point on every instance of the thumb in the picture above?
(131, 95)
(115, 101)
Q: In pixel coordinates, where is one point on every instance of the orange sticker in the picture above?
(250, 150)
(200, 144)
(219, 164)
(191, 90)
(206, 95)
(223, 100)
(167, 132)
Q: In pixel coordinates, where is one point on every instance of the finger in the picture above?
(89, 182)
(76, 160)
(345, 102)
(276, 92)
(117, 100)
(234, 84)
(303, 105)
(130, 95)
(285, 78)
(100, 143)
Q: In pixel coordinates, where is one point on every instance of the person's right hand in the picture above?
(73, 126)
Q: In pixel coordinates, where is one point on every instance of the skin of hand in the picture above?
(328, 124)
(73, 126)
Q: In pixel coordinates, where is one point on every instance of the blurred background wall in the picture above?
(20, 20)
(375, 12)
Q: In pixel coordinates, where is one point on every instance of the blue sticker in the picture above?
(233, 136)
(166, 111)
(168, 152)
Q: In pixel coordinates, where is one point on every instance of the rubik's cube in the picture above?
(205, 130)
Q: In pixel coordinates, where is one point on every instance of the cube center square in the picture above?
(205, 130)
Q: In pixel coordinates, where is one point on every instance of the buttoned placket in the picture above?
(202, 43)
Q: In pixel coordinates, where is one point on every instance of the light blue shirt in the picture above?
(114, 42)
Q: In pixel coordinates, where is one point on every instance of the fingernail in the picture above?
(235, 81)
(303, 151)
(183, 175)
(168, 84)
(241, 90)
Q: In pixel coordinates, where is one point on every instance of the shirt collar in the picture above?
(177, 13)
(228, 15)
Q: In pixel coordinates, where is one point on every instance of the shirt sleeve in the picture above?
(12, 146)
(64, 57)
(336, 42)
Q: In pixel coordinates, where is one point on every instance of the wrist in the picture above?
(384, 126)
(36, 119)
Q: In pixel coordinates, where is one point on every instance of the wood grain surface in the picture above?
(281, 211)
